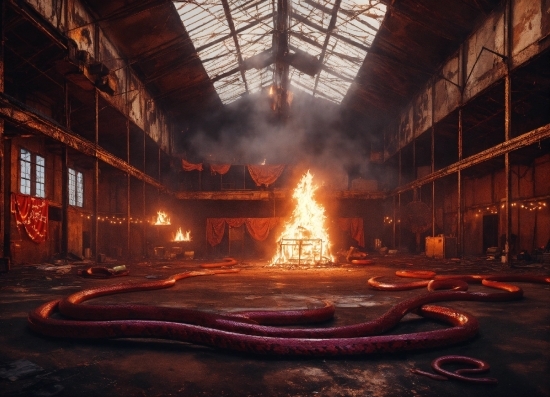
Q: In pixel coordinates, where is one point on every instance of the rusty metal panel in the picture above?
(422, 111)
(483, 66)
(391, 141)
(499, 185)
(526, 23)
(156, 125)
(406, 127)
(111, 58)
(80, 27)
(52, 10)
(447, 91)
(542, 176)
(135, 102)
(545, 18)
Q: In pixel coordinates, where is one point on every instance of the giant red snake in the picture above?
(253, 331)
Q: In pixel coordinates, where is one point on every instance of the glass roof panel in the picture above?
(331, 87)
(301, 80)
(259, 78)
(357, 24)
(230, 88)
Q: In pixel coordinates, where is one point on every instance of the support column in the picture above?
(508, 129)
(394, 222)
(128, 192)
(460, 215)
(399, 216)
(4, 251)
(432, 155)
(95, 185)
(64, 201)
(6, 187)
(144, 231)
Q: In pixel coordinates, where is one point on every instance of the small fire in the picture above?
(305, 238)
(182, 237)
(162, 218)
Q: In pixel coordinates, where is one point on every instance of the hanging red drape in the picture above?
(355, 228)
(215, 228)
(258, 228)
(221, 169)
(265, 174)
(32, 213)
(187, 166)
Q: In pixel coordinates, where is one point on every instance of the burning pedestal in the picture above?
(301, 251)
(304, 239)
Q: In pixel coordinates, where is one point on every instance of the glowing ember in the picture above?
(162, 218)
(305, 238)
(182, 237)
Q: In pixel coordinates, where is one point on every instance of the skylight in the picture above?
(233, 39)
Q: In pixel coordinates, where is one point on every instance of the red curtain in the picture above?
(32, 213)
(187, 166)
(265, 174)
(258, 228)
(215, 228)
(355, 228)
(221, 169)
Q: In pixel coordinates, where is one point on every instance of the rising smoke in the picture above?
(314, 136)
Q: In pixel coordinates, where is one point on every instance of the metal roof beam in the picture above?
(331, 25)
(307, 22)
(240, 30)
(236, 40)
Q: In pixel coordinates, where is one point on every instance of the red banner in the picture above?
(221, 169)
(32, 214)
(187, 166)
(265, 174)
(258, 228)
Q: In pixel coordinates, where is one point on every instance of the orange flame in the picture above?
(162, 218)
(305, 238)
(182, 237)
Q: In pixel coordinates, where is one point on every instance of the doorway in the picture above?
(490, 231)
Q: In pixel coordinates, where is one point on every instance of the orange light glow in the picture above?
(162, 218)
(182, 237)
(304, 239)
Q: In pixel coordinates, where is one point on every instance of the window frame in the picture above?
(32, 173)
(75, 188)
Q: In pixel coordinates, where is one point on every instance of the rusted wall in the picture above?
(447, 92)
(482, 66)
(422, 112)
(52, 10)
(406, 127)
(530, 23)
(141, 108)
(473, 232)
(531, 226)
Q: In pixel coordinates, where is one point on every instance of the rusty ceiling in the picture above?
(416, 36)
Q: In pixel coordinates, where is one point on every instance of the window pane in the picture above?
(25, 172)
(72, 187)
(79, 189)
(40, 177)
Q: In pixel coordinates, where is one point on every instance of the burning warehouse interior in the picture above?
(275, 197)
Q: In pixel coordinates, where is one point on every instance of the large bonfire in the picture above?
(304, 239)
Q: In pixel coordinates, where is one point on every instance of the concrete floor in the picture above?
(514, 337)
